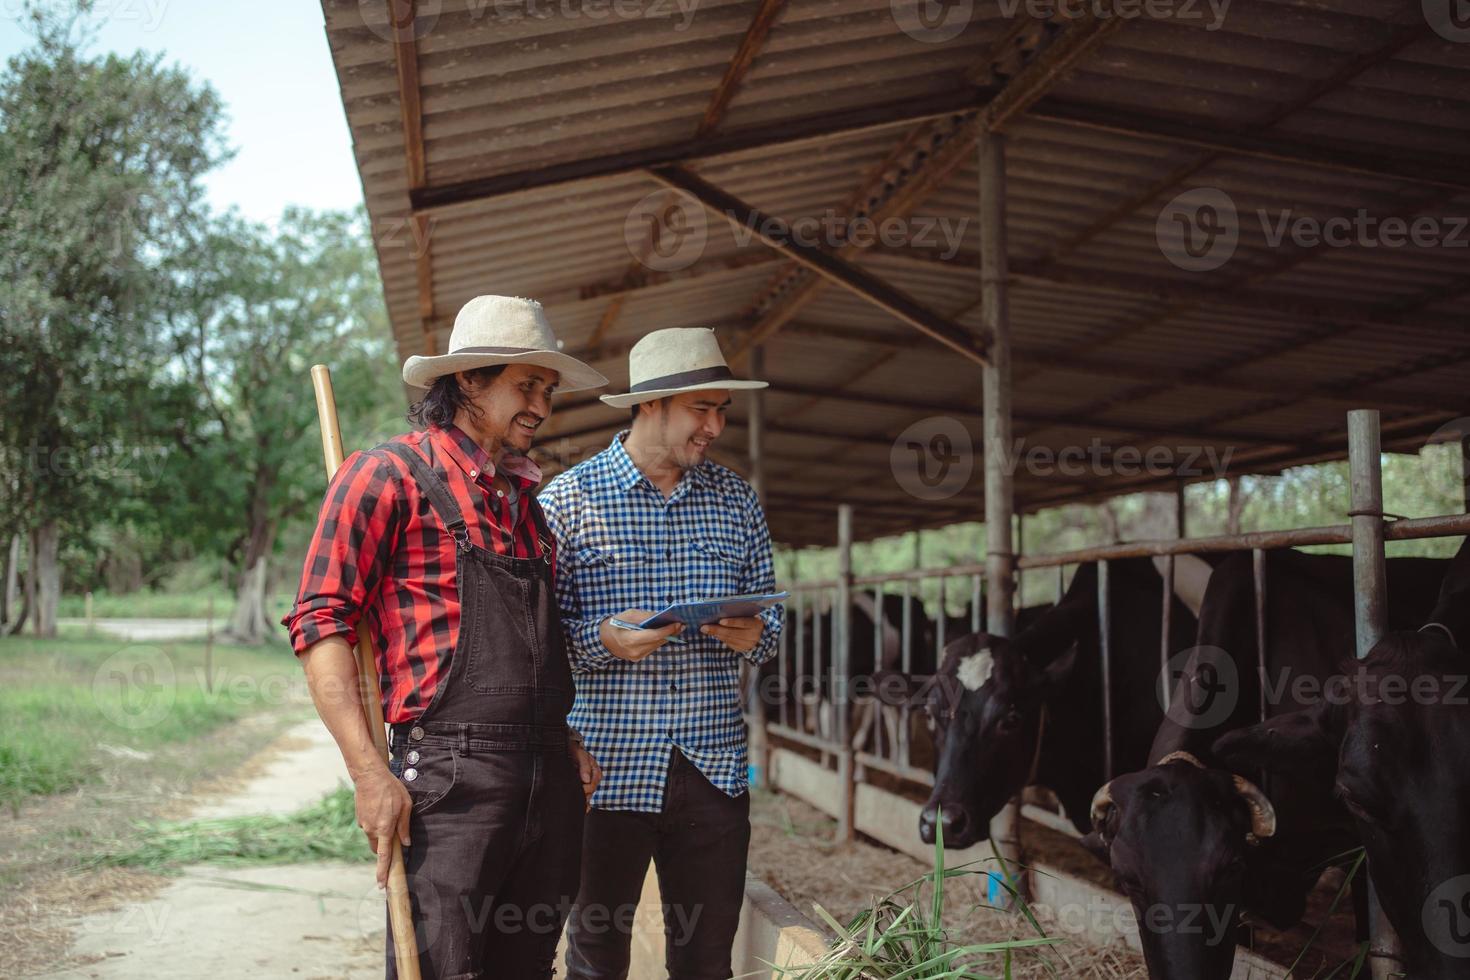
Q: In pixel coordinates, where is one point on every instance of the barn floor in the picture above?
(792, 850)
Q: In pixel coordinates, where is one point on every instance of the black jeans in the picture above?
(493, 865)
(698, 846)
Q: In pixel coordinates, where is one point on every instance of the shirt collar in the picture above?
(625, 474)
(473, 459)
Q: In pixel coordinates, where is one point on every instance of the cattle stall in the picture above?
(1060, 177)
(819, 712)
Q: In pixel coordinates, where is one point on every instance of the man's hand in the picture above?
(742, 633)
(588, 769)
(634, 645)
(383, 806)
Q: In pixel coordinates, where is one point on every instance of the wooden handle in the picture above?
(400, 911)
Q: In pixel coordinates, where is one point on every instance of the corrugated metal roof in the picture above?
(534, 121)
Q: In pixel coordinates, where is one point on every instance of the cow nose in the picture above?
(926, 823)
(953, 820)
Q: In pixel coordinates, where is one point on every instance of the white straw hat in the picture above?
(667, 362)
(493, 330)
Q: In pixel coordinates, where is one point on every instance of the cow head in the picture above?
(1395, 740)
(1179, 838)
(987, 712)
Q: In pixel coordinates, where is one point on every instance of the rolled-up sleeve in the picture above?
(759, 575)
(356, 533)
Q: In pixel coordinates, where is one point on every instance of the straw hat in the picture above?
(493, 330)
(667, 362)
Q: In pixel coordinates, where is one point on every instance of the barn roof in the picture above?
(513, 148)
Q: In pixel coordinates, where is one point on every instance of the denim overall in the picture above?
(497, 812)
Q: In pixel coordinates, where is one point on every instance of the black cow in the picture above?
(991, 693)
(1194, 843)
(1394, 746)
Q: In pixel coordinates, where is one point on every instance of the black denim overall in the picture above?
(496, 826)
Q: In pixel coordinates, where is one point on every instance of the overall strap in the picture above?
(433, 487)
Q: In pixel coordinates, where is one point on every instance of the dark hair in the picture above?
(446, 398)
(633, 411)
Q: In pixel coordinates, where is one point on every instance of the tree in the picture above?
(259, 308)
(100, 160)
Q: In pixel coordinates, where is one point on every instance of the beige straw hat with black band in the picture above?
(492, 330)
(667, 362)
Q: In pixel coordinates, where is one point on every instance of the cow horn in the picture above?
(1102, 805)
(1180, 756)
(1263, 814)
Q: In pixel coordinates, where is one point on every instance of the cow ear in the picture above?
(1302, 741)
(1056, 673)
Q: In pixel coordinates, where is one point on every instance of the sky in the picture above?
(270, 64)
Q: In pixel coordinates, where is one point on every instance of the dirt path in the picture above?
(314, 921)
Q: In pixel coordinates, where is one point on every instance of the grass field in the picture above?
(164, 605)
(71, 706)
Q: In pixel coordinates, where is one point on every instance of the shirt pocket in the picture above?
(718, 562)
(616, 571)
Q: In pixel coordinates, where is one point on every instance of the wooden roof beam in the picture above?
(828, 267)
(755, 36)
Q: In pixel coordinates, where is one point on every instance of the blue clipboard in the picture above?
(697, 614)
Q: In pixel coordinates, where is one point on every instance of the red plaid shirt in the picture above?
(380, 551)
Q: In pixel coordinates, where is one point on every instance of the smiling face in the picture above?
(509, 408)
(683, 426)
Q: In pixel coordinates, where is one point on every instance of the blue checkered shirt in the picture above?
(622, 545)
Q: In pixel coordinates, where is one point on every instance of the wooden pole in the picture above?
(841, 660)
(400, 913)
(1370, 615)
(1000, 575)
(755, 716)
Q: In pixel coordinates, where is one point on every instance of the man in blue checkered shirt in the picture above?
(646, 522)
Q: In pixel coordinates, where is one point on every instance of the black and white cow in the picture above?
(1194, 841)
(1394, 747)
(1028, 710)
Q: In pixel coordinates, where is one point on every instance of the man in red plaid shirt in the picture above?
(434, 544)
